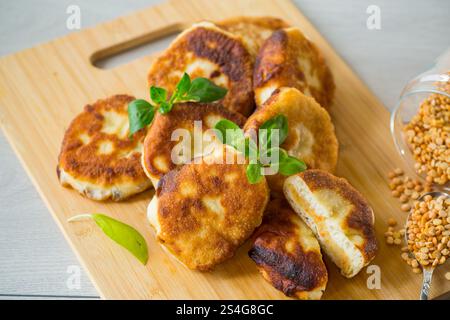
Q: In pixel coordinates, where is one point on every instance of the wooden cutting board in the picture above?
(43, 88)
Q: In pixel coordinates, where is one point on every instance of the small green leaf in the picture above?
(203, 90)
(165, 107)
(279, 123)
(290, 165)
(266, 156)
(140, 115)
(183, 85)
(251, 149)
(254, 173)
(229, 133)
(192, 98)
(121, 233)
(158, 95)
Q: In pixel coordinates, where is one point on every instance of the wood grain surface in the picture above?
(43, 88)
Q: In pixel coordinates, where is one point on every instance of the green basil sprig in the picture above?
(141, 112)
(230, 133)
(121, 233)
(265, 135)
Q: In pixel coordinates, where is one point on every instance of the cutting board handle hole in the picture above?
(136, 48)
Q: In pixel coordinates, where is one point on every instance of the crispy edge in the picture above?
(360, 218)
(267, 22)
(80, 165)
(230, 55)
(158, 142)
(244, 27)
(275, 63)
(295, 274)
(180, 211)
(267, 111)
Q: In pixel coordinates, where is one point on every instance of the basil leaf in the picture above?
(165, 107)
(192, 98)
(140, 115)
(279, 123)
(266, 156)
(203, 90)
(251, 149)
(158, 95)
(229, 133)
(121, 233)
(290, 165)
(182, 86)
(254, 173)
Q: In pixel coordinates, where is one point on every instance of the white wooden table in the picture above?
(34, 257)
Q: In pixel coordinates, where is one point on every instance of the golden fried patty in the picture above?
(311, 134)
(253, 30)
(339, 216)
(97, 158)
(203, 212)
(289, 59)
(287, 253)
(205, 50)
(161, 141)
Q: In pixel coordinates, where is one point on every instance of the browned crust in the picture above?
(82, 161)
(266, 22)
(299, 108)
(220, 48)
(253, 30)
(277, 61)
(184, 217)
(360, 218)
(294, 272)
(158, 140)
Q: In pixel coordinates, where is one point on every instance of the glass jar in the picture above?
(434, 81)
